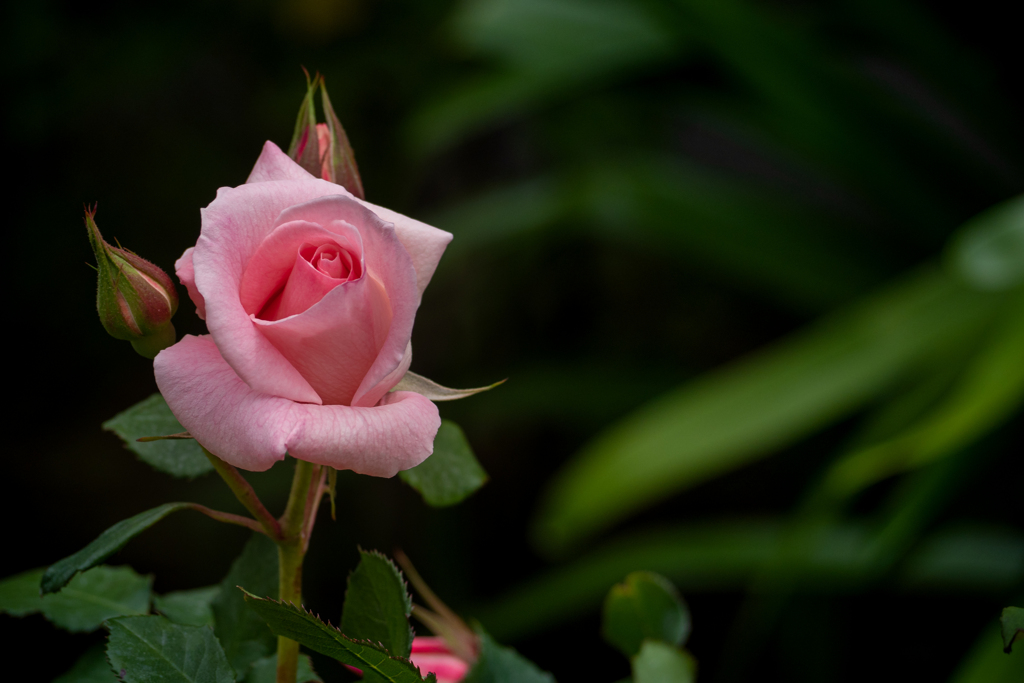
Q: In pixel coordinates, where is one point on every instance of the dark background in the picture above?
(148, 110)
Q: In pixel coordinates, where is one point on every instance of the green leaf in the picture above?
(989, 249)
(449, 475)
(646, 606)
(94, 596)
(243, 635)
(265, 671)
(500, 664)
(434, 391)
(1012, 626)
(301, 626)
(990, 390)
(190, 608)
(19, 594)
(155, 650)
(92, 667)
(377, 604)
(152, 417)
(659, 662)
(105, 545)
(753, 407)
(987, 662)
(84, 603)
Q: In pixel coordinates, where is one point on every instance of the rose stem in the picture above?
(291, 549)
(246, 496)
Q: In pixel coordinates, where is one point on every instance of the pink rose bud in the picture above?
(433, 654)
(323, 149)
(134, 298)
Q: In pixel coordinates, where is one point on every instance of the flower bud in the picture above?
(134, 298)
(323, 148)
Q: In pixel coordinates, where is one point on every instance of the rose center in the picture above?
(331, 260)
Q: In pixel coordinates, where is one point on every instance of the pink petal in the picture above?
(323, 137)
(274, 164)
(430, 644)
(335, 342)
(387, 261)
(424, 243)
(186, 273)
(252, 430)
(447, 668)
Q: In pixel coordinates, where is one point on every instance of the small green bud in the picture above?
(135, 299)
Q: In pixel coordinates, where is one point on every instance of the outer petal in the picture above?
(424, 243)
(274, 164)
(387, 260)
(186, 272)
(252, 430)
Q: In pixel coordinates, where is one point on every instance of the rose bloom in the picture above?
(309, 295)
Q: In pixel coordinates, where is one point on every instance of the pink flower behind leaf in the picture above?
(432, 654)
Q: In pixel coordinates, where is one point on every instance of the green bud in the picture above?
(323, 149)
(135, 299)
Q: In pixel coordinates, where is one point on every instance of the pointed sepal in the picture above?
(339, 161)
(305, 145)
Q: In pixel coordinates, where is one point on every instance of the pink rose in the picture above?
(309, 295)
(432, 654)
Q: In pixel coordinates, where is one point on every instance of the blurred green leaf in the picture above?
(96, 595)
(747, 410)
(190, 607)
(990, 390)
(301, 626)
(989, 249)
(19, 594)
(155, 650)
(546, 49)
(377, 604)
(105, 545)
(728, 555)
(92, 667)
(265, 671)
(659, 662)
(646, 606)
(449, 475)
(1012, 625)
(152, 417)
(242, 634)
(499, 664)
(987, 663)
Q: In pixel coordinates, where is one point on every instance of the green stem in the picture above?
(291, 549)
(246, 495)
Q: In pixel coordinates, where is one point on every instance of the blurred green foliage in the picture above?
(754, 270)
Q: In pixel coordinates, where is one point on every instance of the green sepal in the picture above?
(451, 473)
(152, 417)
(646, 606)
(1012, 624)
(293, 622)
(659, 662)
(243, 635)
(305, 148)
(154, 649)
(189, 607)
(341, 165)
(499, 664)
(105, 545)
(377, 605)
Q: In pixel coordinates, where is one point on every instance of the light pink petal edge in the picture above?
(252, 430)
(186, 272)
